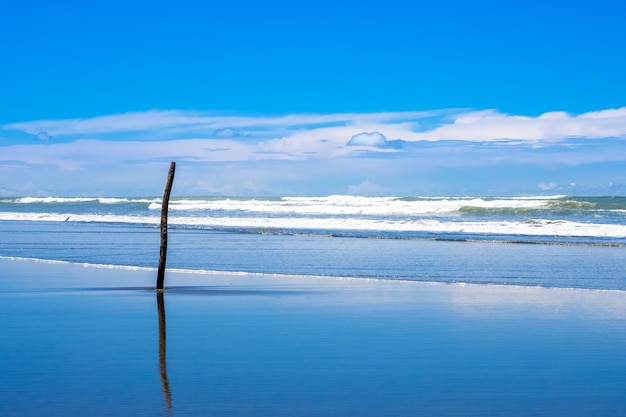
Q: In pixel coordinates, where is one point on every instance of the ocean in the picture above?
(314, 306)
(555, 241)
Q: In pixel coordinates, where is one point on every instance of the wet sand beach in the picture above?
(86, 340)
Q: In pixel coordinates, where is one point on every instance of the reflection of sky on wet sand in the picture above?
(552, 302)
(80, 340)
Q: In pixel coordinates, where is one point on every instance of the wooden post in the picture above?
(164, 207)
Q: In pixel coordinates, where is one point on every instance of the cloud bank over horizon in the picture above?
(378, 153)
(450, 124)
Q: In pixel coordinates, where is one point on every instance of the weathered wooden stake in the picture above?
(164, 207)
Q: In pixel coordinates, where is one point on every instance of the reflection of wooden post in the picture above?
(167, 395)
(164, 207)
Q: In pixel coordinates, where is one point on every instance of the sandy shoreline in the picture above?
(79, 340)
(42, 274)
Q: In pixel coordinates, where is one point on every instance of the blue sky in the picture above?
(313, 98)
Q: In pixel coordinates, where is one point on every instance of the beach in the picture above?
(377, 209)
(81, 339)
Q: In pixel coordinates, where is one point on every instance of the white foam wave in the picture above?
(335, 205)
(87, 218)
(349, 205)
(101, 200)
(49, 200)
(111, 200)
(535, 227)
(540, 197)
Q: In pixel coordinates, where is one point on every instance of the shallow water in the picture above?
(93, 341)
(564, 266)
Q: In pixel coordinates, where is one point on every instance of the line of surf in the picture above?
(528, 227)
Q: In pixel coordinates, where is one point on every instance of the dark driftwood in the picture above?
(164, 207)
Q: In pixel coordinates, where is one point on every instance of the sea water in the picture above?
(99, 341)
(245, 337)
(555, 241)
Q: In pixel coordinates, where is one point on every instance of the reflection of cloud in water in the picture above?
(529, 301)
(298, 292)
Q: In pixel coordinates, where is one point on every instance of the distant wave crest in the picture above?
(548, 216)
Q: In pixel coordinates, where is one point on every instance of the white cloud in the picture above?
(366, 188)
(547, 187)
(605, 114)
(148, 120)
(227, 132)
(42, 136)
(489, 125)
(326, 146)
(368, 139)
(302, 134)
(177, 121)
